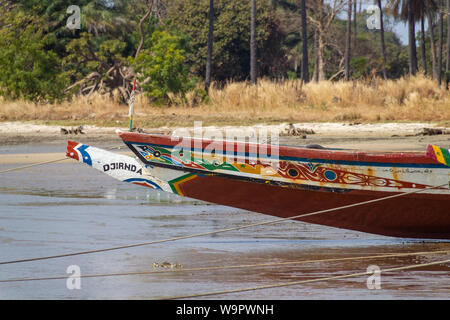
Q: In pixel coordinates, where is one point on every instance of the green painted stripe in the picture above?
(172, 182)
(446, 155)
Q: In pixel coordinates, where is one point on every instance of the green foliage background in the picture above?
(40, 57)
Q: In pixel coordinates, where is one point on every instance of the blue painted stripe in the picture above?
(327, 161)
(85, 155)
(143, 180)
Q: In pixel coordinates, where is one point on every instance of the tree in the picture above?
(110, 32)
(423, 44)
(210, 46)
(415, 10)
(447, 63)
(30, 68)
(412, 40)
(440, 42)
(305, 63)
(253, 43)
(383, 44)
(429, 8)
(161, 67)
(407, 10)
(142, 32)
(322, 20)
(347, 40)
(231, 54)
(355, 23)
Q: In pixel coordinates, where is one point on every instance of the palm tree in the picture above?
(253, 43)
(347, 40)
(305, 68)
(412, 40)
(355, 25)
(447, 63)
(441, 36)
(422, 44)
(210, 46)
(406, 10)
(411, 11)
(383, 45)
(429, 8)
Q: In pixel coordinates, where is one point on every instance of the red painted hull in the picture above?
(413, 216)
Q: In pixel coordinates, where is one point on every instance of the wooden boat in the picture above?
(439, 154)
(286, 181)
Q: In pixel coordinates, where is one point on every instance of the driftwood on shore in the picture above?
(432, 131)
(291, 130)
(78, 130)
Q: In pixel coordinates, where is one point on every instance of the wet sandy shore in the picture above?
(34, 139)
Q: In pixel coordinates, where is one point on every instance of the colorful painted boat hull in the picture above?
(439, 154)
(302, 180)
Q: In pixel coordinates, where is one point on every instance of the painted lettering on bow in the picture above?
(122, 166)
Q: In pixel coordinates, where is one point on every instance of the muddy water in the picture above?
(68, 207)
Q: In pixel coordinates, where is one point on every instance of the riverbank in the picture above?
(409, 99)
(360, 136)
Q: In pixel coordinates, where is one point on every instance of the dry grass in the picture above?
(406, 99)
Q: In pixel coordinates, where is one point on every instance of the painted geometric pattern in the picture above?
(295, 171)
(439, 154)
(181, 158)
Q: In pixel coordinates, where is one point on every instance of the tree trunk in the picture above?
(348, 40)
(447, 63)
(432, 44)
(441, 40)
(355, 25)
(141, 30)
(316, 57)
(412, 41)
(423, 45)
(320, 58)
(319, 67)
(383, 45)
(305, 64)
(253, 44)
(210, 46)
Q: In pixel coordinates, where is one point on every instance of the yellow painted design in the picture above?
(176, 185)
(439, 155)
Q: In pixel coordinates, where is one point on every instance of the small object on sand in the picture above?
(167, 265)
(78, 130)
(139, 130)
(291, 130)
(432, 132)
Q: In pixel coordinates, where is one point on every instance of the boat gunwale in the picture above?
(297, 153)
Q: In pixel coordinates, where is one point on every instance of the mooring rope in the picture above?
(230, 267)
(34, 165)
(221, 230)
(292, 283)
(46, 162)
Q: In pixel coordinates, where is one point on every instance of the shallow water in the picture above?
(68, 207)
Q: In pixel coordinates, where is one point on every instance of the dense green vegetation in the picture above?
(164, 44)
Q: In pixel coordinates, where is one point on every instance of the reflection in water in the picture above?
(111, 194)
(68, 207)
